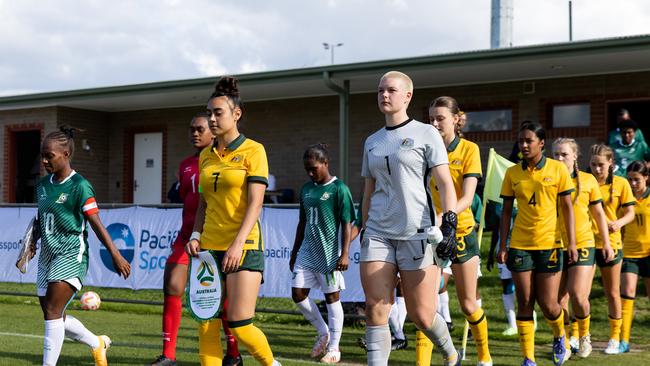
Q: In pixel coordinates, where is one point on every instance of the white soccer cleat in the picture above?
(276, 363)
(332, 356)
(612, 347)
(322, 341)
(584, 350)
(99, 353)
(575, 344)
(484, 363)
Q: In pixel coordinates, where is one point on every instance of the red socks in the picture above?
(172, 309)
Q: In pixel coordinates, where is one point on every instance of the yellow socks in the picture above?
(423, 349)
(567, 330)
(526, 328)
(615, 328)
(627, 310)
(557, 325)
(582, 325)
(254, 340)
(478, 324)
(210, 350)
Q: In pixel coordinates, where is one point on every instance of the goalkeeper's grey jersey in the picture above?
(400, 159)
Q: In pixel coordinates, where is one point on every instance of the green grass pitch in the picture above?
(135, 331)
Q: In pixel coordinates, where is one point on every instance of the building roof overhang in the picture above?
(560, 60)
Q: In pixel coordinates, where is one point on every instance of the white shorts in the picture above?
(407, 255)
(327, 283)
(479, 274)
(504, 272)
(74, 282)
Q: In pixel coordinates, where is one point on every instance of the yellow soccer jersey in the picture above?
(636, 238)
(536, 191)
(464, 161)
(224, 186)
(620, 196)
(589, 195)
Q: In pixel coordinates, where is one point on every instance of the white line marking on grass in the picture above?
(148, 346)
(9, 334)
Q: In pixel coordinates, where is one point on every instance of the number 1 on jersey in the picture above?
(387, 164)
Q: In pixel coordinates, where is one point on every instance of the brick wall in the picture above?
(286, 127)
(43, 119)
(92, 164)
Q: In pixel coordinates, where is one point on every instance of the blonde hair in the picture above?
(576, 150)
(408, 83)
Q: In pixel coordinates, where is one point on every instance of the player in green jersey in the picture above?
(317, 260)
(66, 201)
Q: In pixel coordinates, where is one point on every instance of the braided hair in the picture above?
(318, 152)
(451, 104)
(576, 150)
(606, 152)
(64, 137)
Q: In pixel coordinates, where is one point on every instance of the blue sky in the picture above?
(63, 45)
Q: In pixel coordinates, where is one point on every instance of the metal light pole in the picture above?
(570, 22)
(331, 46)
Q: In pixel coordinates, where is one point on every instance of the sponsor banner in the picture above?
(144, 237)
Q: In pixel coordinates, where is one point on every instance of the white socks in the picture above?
(439, 335)
(335, 320)
(509, 307)
(309, 309)
(378, 344)
(443, 306)
(75, 329)
(396, 318)
(54, 334)
(401, 307)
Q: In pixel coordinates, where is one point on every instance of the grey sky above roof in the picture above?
(64, 45)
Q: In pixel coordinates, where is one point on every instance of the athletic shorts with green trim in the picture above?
(640, 266)
(541, 261)
(600, 260)
(251, 260)
(467, 248)
(586, 257)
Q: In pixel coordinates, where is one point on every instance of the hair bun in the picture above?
(68, 131)
(227, 86)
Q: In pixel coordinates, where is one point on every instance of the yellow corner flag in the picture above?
(496, 170)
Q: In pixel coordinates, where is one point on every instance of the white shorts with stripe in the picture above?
(326, 282)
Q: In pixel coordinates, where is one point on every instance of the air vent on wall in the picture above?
(529, 87)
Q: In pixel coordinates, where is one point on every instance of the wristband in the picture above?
(196, 235)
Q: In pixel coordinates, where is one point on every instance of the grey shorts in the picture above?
(407, 255)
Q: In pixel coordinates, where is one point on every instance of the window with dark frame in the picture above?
(488, 120)
(571, 115)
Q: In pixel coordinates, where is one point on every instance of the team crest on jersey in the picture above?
(62, 198)
(456, 162)
(407, 143)
(325, 196)
(237, 159)
(547, 179)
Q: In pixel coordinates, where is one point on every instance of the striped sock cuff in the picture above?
(240, 323)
